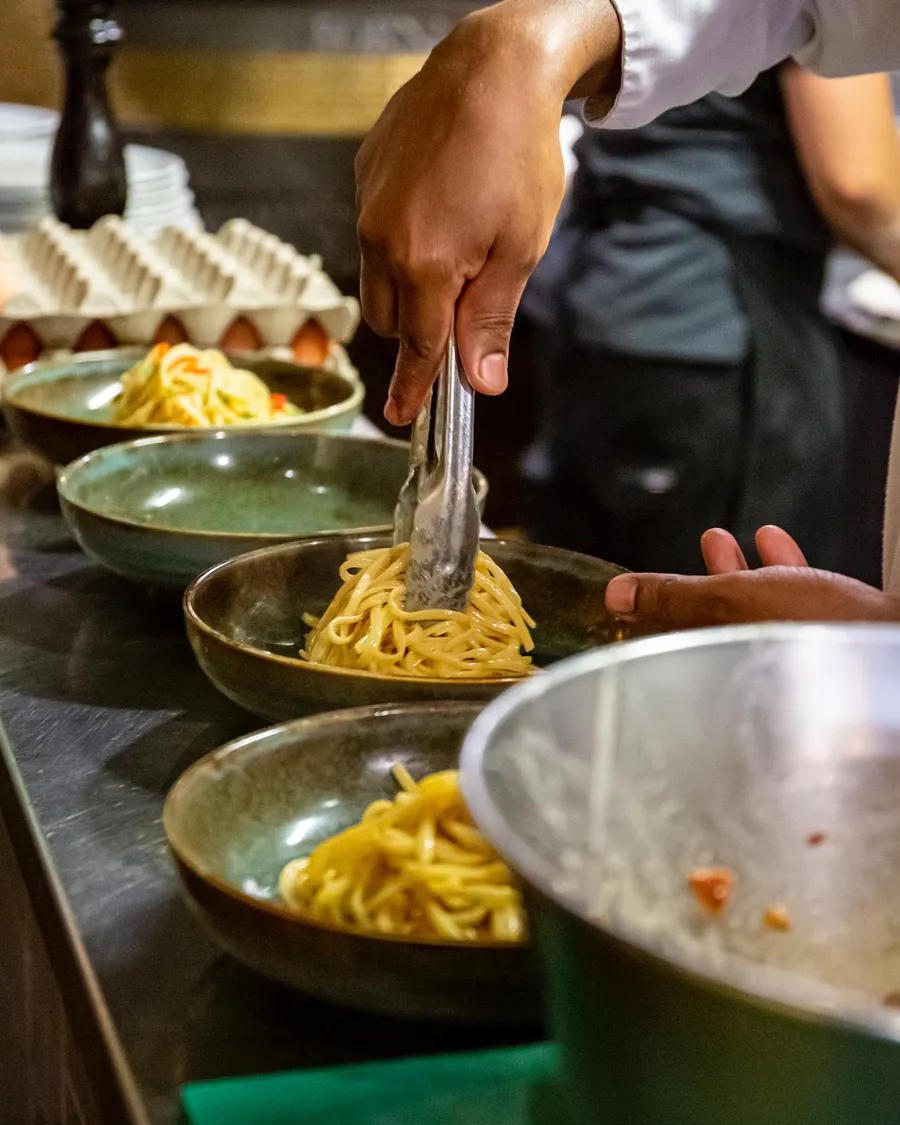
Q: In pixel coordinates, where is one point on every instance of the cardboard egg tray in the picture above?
(132, 284)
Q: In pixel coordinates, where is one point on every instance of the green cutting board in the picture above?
(514, 1086)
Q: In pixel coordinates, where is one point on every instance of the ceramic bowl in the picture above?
(237, 816)
(62, 409)
(162, 510)
(245, 623)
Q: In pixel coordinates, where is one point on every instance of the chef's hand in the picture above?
(460, 180)
(785, 588)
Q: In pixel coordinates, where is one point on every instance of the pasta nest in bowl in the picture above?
(367, 628)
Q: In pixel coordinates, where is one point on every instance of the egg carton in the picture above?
(131, 282)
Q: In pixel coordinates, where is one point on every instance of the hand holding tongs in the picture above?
(437, 511)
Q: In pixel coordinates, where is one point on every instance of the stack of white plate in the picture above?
(26, 122)
(158, 192)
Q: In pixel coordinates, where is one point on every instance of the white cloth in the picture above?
(877, 295)
(676, 51)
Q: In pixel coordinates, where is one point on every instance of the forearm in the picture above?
(872, 232)
(571, 48)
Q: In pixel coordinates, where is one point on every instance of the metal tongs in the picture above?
(437, 511)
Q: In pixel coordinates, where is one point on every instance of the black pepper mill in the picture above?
(87, 172)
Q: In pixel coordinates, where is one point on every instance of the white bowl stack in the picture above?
(158, 192)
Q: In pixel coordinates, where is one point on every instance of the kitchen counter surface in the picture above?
(102, 708)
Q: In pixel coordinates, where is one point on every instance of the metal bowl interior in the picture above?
(62, 409)
(245, 623)
(162, 510)
(239, 814)
(771, 751)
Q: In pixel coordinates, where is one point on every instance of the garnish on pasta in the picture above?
(413, 867)
(189, 387)
(367, 628)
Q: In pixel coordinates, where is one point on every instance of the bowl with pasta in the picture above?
(321, 624)
(335, 854)
(66, 408)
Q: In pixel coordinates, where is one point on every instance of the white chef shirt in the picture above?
(676, 51)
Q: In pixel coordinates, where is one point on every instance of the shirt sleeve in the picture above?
(855, 37)
(676, 51)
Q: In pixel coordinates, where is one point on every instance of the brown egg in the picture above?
(241, 336)
(311, 344)
(20, 345)
(95, 338)
(170, 330)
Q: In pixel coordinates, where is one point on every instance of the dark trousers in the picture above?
(641, 459)
(637, 457)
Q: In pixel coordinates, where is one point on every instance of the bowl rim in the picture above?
(272, 906)
(199, 434)
(780, 990)
(18, 381)
(196, 622)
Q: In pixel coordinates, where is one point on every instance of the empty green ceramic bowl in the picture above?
(62, 408)
(163, 510)
(245, 623)
(237, 816)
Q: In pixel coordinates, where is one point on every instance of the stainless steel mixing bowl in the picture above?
(773, 751)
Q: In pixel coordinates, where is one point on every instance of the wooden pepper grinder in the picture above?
(87, 171)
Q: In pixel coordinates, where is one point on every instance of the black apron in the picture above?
(794, 460)
(638, 454)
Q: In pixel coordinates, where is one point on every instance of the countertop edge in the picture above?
(103, 1055)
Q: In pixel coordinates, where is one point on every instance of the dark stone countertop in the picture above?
(103, 708)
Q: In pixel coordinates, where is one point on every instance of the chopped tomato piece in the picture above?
(279, 402)
(712, 887)
(777, 918)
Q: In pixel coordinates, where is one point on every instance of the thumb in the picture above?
(785, 593)
(664, 601)
(484, 319)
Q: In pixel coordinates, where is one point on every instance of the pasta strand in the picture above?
(366, 627)
(401, 872)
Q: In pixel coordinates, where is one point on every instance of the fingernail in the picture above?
(393, 412)
(621, 595)
(492, 373)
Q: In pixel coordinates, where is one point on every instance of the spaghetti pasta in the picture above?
(413, 867)
(183, 386)
(367, 628)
